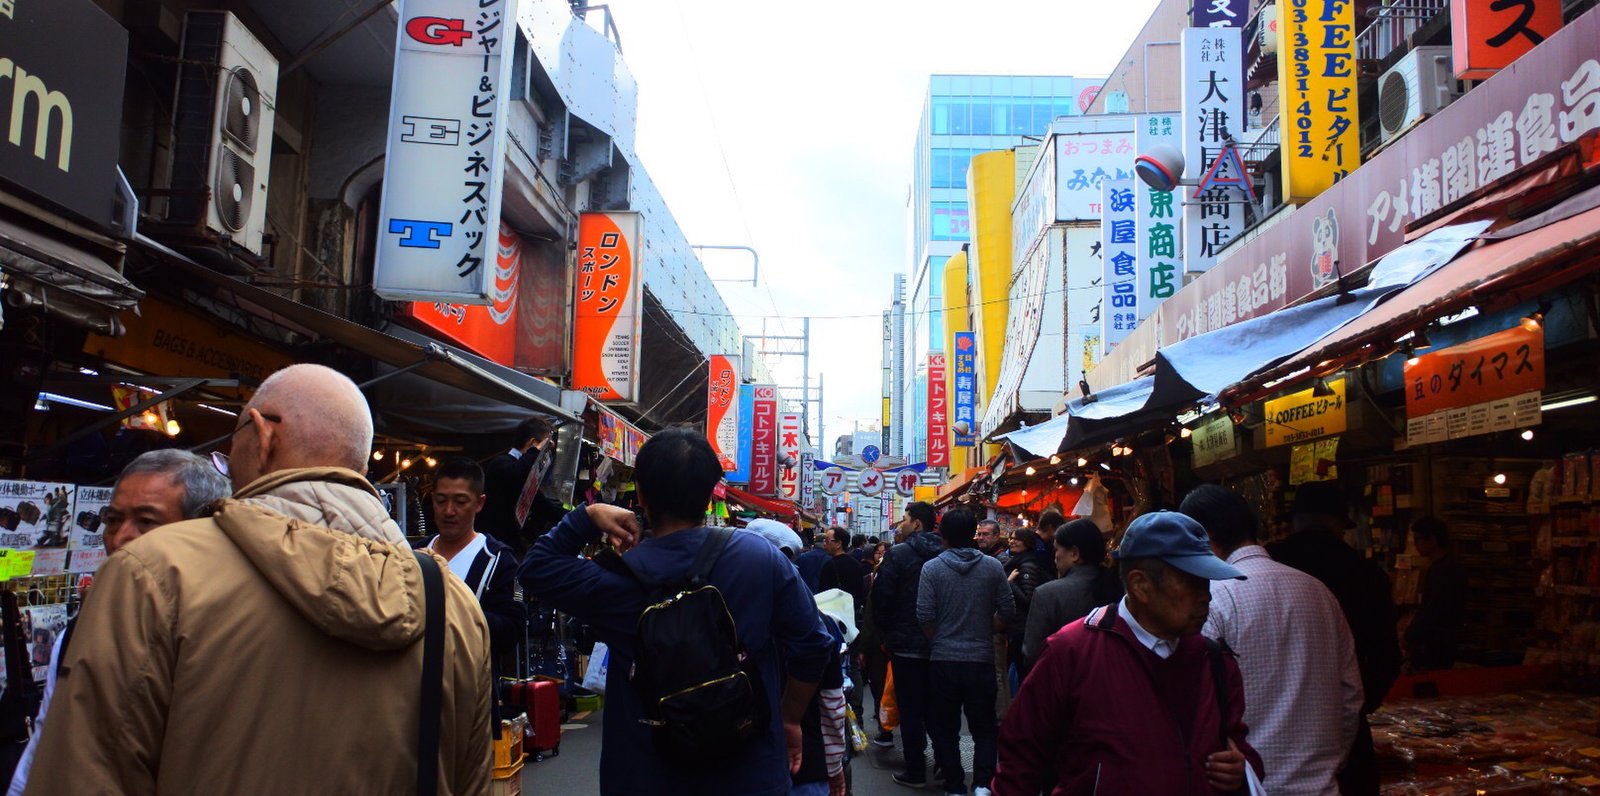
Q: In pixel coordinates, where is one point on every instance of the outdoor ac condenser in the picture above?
(222, 129)
(1420, 85)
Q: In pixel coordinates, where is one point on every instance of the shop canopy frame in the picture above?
(65, 278)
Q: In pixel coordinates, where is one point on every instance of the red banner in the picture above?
(722, 411)
(764, 442)
(1501, 365)
(938, 412)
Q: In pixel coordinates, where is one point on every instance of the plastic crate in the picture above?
(506, 781)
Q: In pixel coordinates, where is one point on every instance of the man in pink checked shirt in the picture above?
(1302, 686)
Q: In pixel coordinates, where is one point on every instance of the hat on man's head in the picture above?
(781, 536)
(1323, 499)
(1178, 540)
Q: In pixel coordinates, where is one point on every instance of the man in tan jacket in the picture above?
(276, 646)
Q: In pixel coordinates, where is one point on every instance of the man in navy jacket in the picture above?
(773, 611)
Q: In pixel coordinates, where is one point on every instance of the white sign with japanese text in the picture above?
(1119, 312)
(789, 456)
(1213, 113)
(445, 158)
(1160, 256)
(1085, 162)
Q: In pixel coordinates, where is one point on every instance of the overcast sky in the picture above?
(789, 127)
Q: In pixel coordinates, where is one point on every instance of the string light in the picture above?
(1500, 478)
(1029, 471)
(1055, 459)
(405, 463)
(173, 429)
(1527, 434)
(432, 462)
(1082, 462)
(1185, 432)
(377, 455)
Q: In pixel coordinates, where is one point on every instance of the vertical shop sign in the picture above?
(722, 411)
(1119, 312)
(1218, 13)
(1487, 35)
(938, 412)
(445, 157)
(1213, 113)
(764, 442)
(888, 376)
(747, 405)
(1317, 96)
(808, 481)
(966, 387)
(789, 456)
(605, 329)
(1160, 257)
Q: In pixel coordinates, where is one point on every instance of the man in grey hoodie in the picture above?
(962, 600)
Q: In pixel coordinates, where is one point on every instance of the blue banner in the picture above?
(966, 388)
(747, 419)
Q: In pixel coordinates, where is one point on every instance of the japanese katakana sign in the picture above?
(1317, 96)
(764, 442)
(1119, 250)
(1489, 384)
(789, 445)
(1305, 415)
(722, 410)
(938, 412)
(1487, 35)
(965, 383)
(834, 480)
(605, 339)
(905, 482)
(445, 161)
(1213, 113)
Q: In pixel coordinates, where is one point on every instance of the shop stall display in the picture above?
(1537, 742)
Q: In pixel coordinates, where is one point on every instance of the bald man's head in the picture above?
(302, 416)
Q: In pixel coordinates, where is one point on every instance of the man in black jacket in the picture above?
(1317, 548)
(487, 566)
(506, 476)
(894, 607)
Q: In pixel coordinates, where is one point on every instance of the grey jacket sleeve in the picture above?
(1040, 618)
(927, 598)
(1005, 606)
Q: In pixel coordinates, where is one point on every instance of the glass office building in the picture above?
(962, 115)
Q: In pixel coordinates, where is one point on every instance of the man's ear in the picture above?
(266, 441)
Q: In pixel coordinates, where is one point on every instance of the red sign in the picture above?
(1487, 35)
(764, 442)
(722, 411)
(938, 413)
(438, 30)
(605, 334)
(789, 452)
(488, 331)
(1511, 120)
(1502, 365)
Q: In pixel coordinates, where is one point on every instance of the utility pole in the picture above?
(806, 399)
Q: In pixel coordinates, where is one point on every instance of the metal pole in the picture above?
(822, 435)
(805, 379)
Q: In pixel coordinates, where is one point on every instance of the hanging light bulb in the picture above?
(404, 463)
(173, 429)
(1029, 471)
(1055, 459)
(1082, 462)
(1527, 434)
(1074, 480)
(1024, 493)
(377, 455)
(1500, 478)
(1185, 432)
(432, 462)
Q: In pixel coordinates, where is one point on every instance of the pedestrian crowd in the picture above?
(279, 635)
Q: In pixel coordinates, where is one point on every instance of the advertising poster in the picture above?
(1317, 96)
(605, 331)
(764, 442)
(86, 546)
(35, 515)
(722, 410)
(41, 626)
(938, 412)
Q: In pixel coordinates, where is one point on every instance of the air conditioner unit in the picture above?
(222, 129)
(1417, 87)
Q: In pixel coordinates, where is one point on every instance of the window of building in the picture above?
(949, 221)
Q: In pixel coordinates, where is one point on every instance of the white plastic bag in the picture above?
(594, 678)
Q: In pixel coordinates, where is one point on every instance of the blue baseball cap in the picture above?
(1178, 540)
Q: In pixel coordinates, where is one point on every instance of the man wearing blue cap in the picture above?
(1129, 700)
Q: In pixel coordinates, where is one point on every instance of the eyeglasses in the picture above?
(219, 459)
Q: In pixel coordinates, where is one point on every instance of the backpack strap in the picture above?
(432, 702)
(1219, 680)
(710, 551)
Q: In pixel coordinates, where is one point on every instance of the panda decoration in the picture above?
(1325, 250)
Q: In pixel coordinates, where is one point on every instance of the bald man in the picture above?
(275, 646)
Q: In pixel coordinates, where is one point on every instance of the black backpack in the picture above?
(702, 698)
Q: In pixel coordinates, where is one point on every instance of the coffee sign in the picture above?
(1304, 415)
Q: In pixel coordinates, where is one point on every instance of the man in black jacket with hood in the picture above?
(894, 607)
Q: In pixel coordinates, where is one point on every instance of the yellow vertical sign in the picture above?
(1321, 140)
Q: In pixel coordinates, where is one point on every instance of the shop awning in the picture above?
(1527, 259)
(782, 509)
(444, 364)
(1110, 413)
(1043, 439)
(65, 279)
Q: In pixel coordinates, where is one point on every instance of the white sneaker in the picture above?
(980, 792)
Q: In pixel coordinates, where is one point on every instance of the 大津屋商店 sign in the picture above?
(605, 327)
(1305, 415)
(445, 160)
(1493, 383)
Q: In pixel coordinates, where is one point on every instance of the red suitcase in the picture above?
(541, 699)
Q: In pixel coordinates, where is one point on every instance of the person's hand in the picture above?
(1014, 574)
(795, 741)
(619, 525)
(836, 784)
(1225, 770)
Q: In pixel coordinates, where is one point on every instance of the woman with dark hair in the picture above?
(1082, 585)
(1026, 573)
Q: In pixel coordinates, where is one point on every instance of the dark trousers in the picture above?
(1360, 774)
(877, 672)
(963, 688)
(911, 697)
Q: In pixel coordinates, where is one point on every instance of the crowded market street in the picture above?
(496, 397)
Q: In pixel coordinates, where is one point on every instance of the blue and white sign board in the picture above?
(1119, 312)
(1160, 221)
(439, 221)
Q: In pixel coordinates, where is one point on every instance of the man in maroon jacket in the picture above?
(1125, 701)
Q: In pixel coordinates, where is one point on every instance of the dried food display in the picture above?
(1543, 742)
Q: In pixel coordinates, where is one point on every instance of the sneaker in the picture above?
(885, 739)
(981, 792)
(905, 778)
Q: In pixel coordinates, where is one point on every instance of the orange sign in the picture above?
(488, 331)
(722, 411)
(1487, 35)
(1501, 365)
(605, 361)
